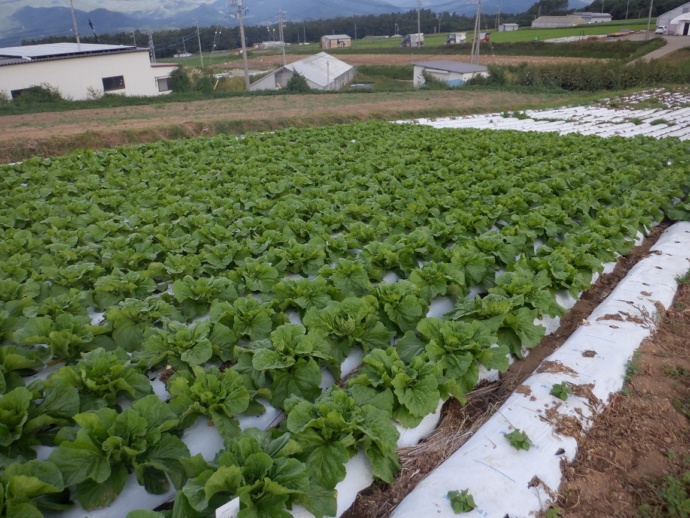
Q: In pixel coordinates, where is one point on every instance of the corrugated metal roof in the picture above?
(321, 68)
(452, 66)
(337, 37)
(578, 20)
(51, 50)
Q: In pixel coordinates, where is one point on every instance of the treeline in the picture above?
(170, 42)
(633, 8)
(219, 37)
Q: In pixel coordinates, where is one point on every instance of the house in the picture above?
(336, 41)
(508, 27)
(554, 22)
(594, 17)
(676, 21)
(321, 71)
(80, 71)
(454, 73)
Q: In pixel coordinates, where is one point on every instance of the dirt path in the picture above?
(624, 462)
(53, 133)
(406, 59)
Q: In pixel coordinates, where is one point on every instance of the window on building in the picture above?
(164, 84)
(113, 83)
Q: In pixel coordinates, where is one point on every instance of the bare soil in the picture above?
(632, 446)
(643, 436)
(48, 134)
(406, 59)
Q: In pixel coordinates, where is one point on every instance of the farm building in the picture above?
(454, 73)
(79, 71)
(508, 27)
(336, 41)
(322, 72)
(666, 19)
(554, 22)
(680, 25)
(594, 17)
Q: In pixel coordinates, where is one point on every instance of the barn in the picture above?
(666, 18)
(83, 70)
(321, 71)
(554, 22)
(594, 17)
(680, 25)
(453, 73)
(508, 27)
(336, 41)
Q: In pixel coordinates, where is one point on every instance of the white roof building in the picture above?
(453, 73)
(79, 71)
(666, 18)
(321, 71)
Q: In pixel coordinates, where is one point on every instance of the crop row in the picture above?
(245, 269)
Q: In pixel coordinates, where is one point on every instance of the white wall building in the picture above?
(680, 25)
(594, 17)
(454, 73)
(508, 27)
(322, 72)
(80, 71)
(554, 22)
(666, 18)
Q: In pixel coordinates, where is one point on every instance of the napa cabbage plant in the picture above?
(96, 456)
(333, 428)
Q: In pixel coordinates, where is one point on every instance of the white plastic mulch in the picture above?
(508, 482)
(670, 119)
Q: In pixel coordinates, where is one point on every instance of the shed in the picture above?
(508, 27)
(78, 71)
(554, 22)
(666, 18)
(336, 41)
(453, 73)
(322, 72)
(680, 25)
(594, 17)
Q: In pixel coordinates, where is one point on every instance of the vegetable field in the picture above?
(339, 281)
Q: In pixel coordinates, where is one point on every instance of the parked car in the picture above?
(661, 29)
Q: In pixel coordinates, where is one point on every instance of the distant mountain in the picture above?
(35, 19)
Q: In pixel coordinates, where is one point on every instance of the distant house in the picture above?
(594, 17)
(321, 71)
(676, 20)
(78, 71)
(336, 41)
(454, 73)
(554, 22)
(508, 27)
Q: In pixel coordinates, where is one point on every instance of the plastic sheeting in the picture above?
(508, 482)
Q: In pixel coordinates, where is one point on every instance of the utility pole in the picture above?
(74, 21)
(419, 29)
(649, 19)
(281, 18)
(240, 18)
(304, 28)
(627, 7)
(134, 36)
(198, 38)
(475, 41)
(355, 31)
(152, 49)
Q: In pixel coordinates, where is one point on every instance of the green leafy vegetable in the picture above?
(96, 457)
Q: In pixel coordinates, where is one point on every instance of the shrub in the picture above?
(180, 80)
(43, 93)
(297, 84)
